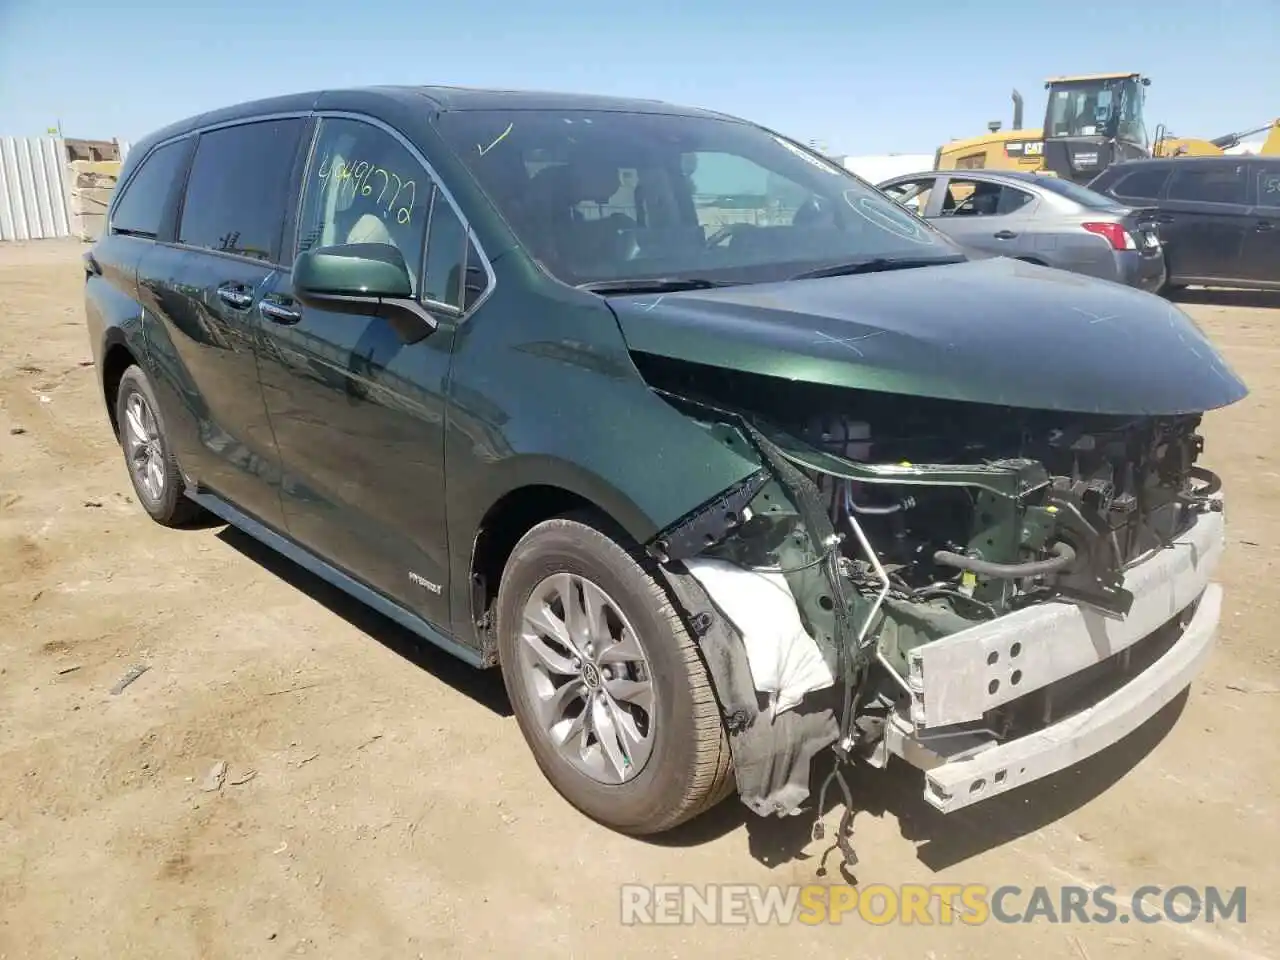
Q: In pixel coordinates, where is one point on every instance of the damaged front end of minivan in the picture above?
(936, 594)
(989, 592)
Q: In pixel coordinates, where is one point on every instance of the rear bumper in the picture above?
(958, 679)
(1145, 271)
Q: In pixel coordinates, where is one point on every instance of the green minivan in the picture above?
(723, 458)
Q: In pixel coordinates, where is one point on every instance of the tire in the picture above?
(159, 486)
(1169, 289)
(687, 769)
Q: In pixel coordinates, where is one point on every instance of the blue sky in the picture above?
(859, 77)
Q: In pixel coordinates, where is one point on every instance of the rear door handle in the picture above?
(236, 295)
(1264, 226)
(1004, 234)
(279, 312)
(1164, 218)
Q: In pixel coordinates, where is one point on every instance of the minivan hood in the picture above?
(996, 331)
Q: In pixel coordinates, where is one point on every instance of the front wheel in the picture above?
(607, 685)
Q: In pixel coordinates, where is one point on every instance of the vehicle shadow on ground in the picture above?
(898, 790)
(483, 686)
(942, 840)
(204, 520)
(1264, 299)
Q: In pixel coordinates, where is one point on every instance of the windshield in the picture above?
(1085, 197)
(1097, 108)
(599, 195)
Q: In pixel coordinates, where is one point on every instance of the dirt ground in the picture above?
(393, 809)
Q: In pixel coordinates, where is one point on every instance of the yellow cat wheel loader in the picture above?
(1090, 122)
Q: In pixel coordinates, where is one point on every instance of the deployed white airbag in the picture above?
(785, 661)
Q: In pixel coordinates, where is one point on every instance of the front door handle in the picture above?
(1004, 234)
(236, 295)
(278, 312)
(1264, 226)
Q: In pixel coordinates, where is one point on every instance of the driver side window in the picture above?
(729, 189)
(363, 186)
(914, 194)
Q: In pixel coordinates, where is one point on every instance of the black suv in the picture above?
(723, 457)
(1219, 217)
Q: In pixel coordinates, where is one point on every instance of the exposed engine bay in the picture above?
(889, 522)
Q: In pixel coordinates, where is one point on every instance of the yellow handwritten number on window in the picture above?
(359, 176)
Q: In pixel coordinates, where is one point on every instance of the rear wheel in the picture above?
(606, 684)
(1169, 289)
(156, 478)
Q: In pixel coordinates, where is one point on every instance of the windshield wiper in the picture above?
(651, 285)
(874, 265)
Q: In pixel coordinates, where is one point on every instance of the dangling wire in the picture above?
(844, 832)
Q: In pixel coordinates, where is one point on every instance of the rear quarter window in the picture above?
(1140, 184)
(141, 209)
(1012, 199)
(1083, 196)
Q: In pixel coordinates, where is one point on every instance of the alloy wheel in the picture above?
(143, 446)
(588, 677)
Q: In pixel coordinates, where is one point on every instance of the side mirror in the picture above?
(353, 272)
(371, 279)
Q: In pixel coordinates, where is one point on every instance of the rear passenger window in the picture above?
(142, 205)
(1269, 188)
(1012, 199)
(1142, 184)
(239, 188)
(1217, 183)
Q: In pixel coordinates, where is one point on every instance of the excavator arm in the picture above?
(1167, 146)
